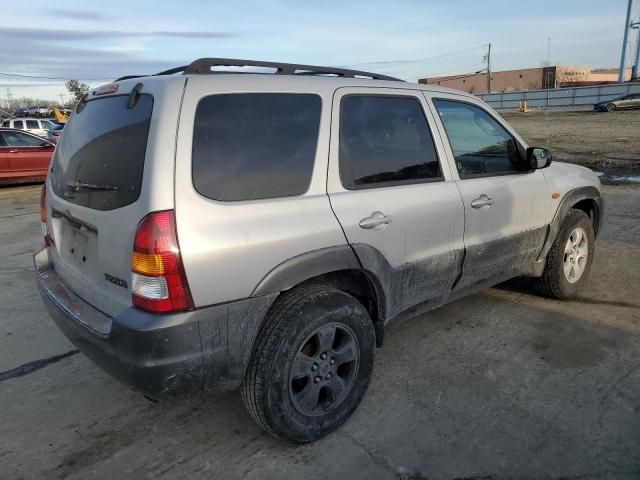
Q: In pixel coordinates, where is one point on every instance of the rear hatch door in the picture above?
(112, 166)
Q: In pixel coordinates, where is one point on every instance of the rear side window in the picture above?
(19, 124)
(32, 124)
(255, 145)
(385, 140)
(99, 160)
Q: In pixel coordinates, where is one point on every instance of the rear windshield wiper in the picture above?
(77, 186)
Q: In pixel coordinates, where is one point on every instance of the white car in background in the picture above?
(37, 126)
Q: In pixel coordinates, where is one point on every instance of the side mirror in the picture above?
(538, 157)
(46, 144)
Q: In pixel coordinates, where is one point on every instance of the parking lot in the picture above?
(605, 142)
(501, 384)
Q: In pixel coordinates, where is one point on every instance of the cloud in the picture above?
(78, 35)
(79, 15)
(45, 59)
(59, 53)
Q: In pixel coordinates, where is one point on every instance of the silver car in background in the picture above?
(53, 133)
(623, 102)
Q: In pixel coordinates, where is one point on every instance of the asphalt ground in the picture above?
(502, 384)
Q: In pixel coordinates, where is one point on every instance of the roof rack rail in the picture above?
(203, 66)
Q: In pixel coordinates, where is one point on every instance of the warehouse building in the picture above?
(557, 76)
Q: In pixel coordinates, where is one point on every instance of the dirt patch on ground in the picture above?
(607, 142)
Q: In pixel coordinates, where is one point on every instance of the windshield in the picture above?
(103, 145)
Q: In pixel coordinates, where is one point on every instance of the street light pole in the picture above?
(624, 43)
(635, 72)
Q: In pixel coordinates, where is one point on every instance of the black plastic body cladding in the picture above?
(297, 269)
(162, 356)
(568, 201)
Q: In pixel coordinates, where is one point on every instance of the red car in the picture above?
(23, 156)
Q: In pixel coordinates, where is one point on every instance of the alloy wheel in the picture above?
(324, 368)
(576, 252)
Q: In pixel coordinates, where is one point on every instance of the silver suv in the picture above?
(208, 230)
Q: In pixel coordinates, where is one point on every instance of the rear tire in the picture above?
(312, 363)
(611, 107)
(569, 261)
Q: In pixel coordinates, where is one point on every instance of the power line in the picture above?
(458, 77)
(454, 69)
(419, 60)
(53, 78)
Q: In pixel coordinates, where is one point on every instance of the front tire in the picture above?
(569, 261)
(312, 363)
(611, 107)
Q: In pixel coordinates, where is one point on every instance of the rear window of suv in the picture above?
(99, 160)
(255, 145)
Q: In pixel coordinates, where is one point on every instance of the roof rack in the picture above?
(203, 66)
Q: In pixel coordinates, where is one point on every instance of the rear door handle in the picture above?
(14, 151)
(482, 201)
(377, 221)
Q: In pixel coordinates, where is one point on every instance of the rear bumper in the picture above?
(162, 356)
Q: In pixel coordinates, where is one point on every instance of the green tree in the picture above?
(77, 89)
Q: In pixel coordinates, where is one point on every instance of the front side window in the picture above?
(481, 146)
(47, 124)
(252, 146)
(385, 140)
(19, 139)
(32, 124)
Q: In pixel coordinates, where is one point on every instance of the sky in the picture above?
(99, 41)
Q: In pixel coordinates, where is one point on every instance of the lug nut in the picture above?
(323, 356)
(332, 361)
(317, 379)
(314, 367)
(329, 375)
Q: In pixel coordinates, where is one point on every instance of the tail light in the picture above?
(158, 280)
(43, 216)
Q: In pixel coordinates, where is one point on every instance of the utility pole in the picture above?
(635, 71)
(488, 57)
(9, 97)
(62, 99)
(627, 22)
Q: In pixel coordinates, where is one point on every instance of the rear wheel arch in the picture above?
(361, 286)
(335, 266)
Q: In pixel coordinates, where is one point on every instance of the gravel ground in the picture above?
(500, 385)
(605, 142)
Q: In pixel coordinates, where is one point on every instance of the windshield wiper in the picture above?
(77, 186)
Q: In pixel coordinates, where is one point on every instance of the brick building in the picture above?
(557, 76)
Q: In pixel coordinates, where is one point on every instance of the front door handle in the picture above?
(377, 221)
(14, 151)
(482, 201)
